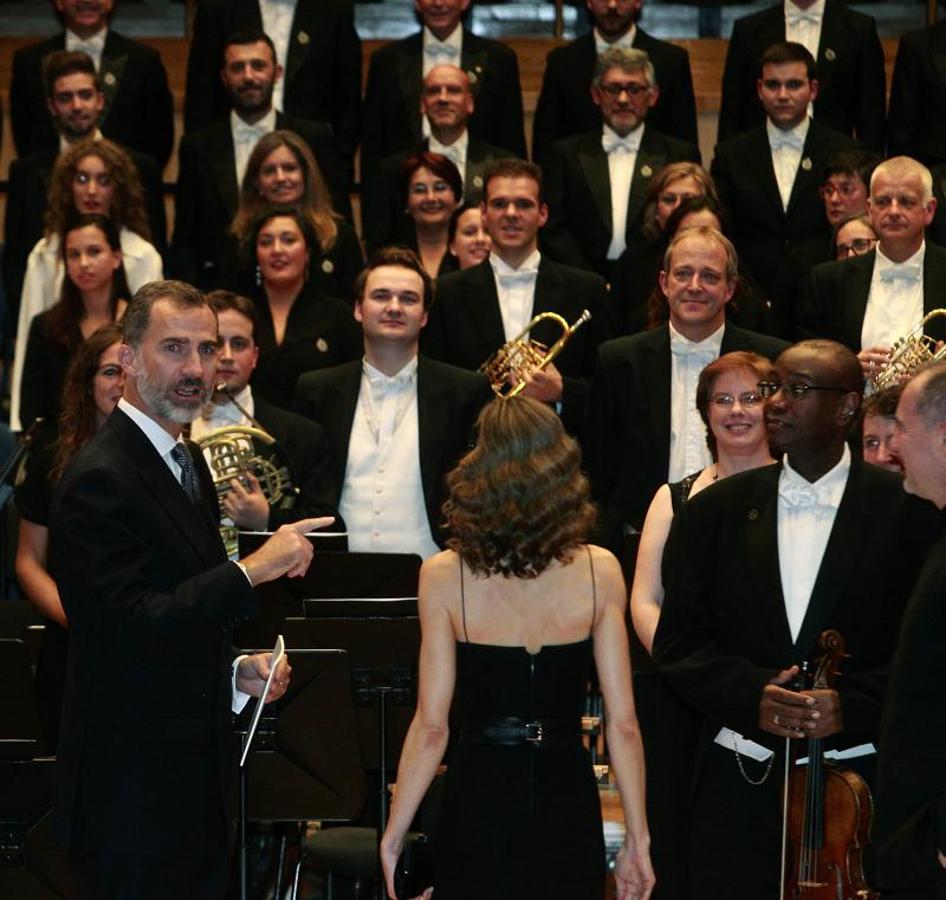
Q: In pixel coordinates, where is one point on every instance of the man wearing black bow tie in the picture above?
(757, 567)
(596, 182)
(768, 177)
(869, 301)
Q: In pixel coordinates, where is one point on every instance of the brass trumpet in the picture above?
(507, 367)
(910, 353)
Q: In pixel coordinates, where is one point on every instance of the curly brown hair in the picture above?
(128, 202)
(518, 499)
(316, 201)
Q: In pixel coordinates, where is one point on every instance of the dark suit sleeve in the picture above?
(94, 541)
(382, 204)
(548, 110)
(871, 93)
(203, 63)
(738, 71)
(373, 143)
(557, 235)
(27, 106)
(678, 102)
(510, 131)
(812, 319)
(906, 99)
(346, 95)
(183, 254)
(157, 112)
(348, 259)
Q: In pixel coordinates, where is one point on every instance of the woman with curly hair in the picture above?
(512, 616)
(94, 293)
(90, 177)
(92, 387)
(282, 171)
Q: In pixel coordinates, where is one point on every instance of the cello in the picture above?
(827, 812)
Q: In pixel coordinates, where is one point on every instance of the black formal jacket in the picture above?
(207, 195)
(910, 822)
(465, 326)
(627, 446)
(837, 296)
(851, 75)
(392, 119)
(323, 67)
(565, 106)
(763, 231)
(151, 599)
(448, 402)
(139, 109)
(723, 632)
(916, 122)
(577, 187)
(383, 216)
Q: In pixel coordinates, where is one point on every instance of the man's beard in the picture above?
(242, 104)
(161, 402)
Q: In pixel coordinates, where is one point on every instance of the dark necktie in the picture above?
(188, 473)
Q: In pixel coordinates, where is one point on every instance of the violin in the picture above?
(827, 812)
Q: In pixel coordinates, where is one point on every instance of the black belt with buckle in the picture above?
(511, 731)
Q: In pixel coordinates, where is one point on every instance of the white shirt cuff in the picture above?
(239, 698)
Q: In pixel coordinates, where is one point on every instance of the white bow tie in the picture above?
(691, 350)
(805, 496)
(382, 384)
(520, 276)
(796, 18)
(441, 51)
(789, 139)
(903, 272)
(611, 141)
(218, 415)
(244, 133)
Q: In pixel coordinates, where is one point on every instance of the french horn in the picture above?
(909, 354)
(507, 367)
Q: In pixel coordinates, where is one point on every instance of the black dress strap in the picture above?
(466, 636)
(594, 591)
(680, 491)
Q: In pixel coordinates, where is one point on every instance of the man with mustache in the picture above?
(757, 567)
(144, 757)
(213, 158)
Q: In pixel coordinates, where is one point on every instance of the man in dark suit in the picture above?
(757, 567)
(301, 446)
(768, 176)
(565, 107)
(916, 123)
(595, 183)
(392, 113)
(138, 110)
(397, 421)
(317, 47)
(144, 753)
(870, 301)
(447, 103)
(643, 427)
(850, 68)
(910, 823)
(213, 159)
(481, 308)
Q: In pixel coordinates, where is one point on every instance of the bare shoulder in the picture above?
(605, 562)
(609, 579)
(439, 579)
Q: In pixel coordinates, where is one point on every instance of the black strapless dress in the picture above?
(520, 821)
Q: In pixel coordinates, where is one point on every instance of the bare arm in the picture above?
(633, 871)
(426, 739)
(647, 592)
(32, 574)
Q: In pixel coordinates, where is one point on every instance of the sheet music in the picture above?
(279, 651)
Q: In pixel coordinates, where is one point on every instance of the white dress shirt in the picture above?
(435, 53)
(455, 152)
(895, 302)
(803, 26)
(515, 289)
(223, 415)
(93, 45)
(245, 137)
(787, 146)
(382, 498)
(64, 144)
(622, 157)
(688, 450)
(625, 41)
(277, 16)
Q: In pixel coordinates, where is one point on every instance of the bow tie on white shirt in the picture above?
(385, 383)
(909, 272)
(789, 139)
(611, 141)
(441, 51)
(216, 415)
(805, 496)
(520, 276)
(246, 133)
(684, 349)
(93, 48)
(797, 17)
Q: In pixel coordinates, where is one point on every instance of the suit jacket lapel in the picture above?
(300, 40)
(410, 74)
(338, 416)
(594, 164)
(759, 161)
(111, 68)
(549, 297)
(657, 377)
(433, 413)
(473, 60)
(855, 292)
(806, 177)
(831, 38)
(482, 302)
(651, 158)
(223, 164)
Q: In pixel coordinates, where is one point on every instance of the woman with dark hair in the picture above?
(468, 240)
(282, 171)
(432, 189)
(301, 327)
(94, 293)
(93, 384)
(511, 617)
(91, 177)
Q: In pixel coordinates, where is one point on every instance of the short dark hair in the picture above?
(138, 315)
(440, 165)
(268, 213)
(395, 256)
(511, 167)
(247, 36)
(852, 162)
(454, 222)
(221, 301)
(931, 402)
(60, 63)
(788, 52)
(850, 374)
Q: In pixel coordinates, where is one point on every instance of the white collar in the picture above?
(711, 342)
(405, 375)
(163, 442)
(229, 413)
(458, 147)
(454, 40)
(500, 267)
(96, 43)
(262, 126)
(624, 42)
(831, 484)
(816, 10)
(800, 130)
(883, 262)
(631, 139)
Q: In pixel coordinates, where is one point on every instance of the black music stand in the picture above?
(383, 642)
(304, 761)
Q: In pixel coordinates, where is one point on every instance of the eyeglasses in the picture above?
(857, 247)
(746, 398)
(845, 189)
(795, 389)
(631, 88)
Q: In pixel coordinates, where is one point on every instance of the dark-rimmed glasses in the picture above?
(795, 389)
(746, 399)
(858, 247)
